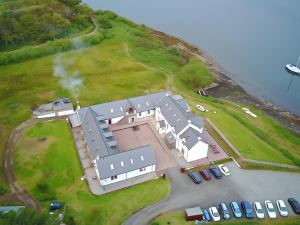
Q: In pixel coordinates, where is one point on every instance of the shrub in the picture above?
(174, 51)
(104, 21)
(195, 74)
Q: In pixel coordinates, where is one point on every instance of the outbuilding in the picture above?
(192, 214)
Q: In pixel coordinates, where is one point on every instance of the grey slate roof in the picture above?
(104, 164)
(194, 211)
(92, 132)
(58, 105)
(6, 209)
(174, 114)
(162, 124)
(191, 136)
(170, 138)
(74, 120)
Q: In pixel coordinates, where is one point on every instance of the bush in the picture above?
(3, 189)
(104, 21)
(50, 47)
(43, 192)
(174, 51)
(195, 74)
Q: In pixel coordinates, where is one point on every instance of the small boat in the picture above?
(292, 68)
(201, 108)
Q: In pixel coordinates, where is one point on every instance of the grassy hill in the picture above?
(130, 62)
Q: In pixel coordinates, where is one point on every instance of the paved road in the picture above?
(8, 165)
(251, 185)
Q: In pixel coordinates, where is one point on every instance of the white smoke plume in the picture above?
(71, 81)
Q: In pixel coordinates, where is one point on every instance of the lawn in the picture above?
(111, 71)
(177, 218)
(51, 171)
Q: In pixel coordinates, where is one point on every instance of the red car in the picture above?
(205, 174)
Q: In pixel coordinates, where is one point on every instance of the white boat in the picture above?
(201, 108)
(292, 68)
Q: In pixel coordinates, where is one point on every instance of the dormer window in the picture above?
(111, 166)
(121, 108)
(147, 103)
(131, 161)
(122, 163)
(142, 158)
(111, 110)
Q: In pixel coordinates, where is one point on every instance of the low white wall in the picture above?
(107, 181)
(47, 115)
(66, 112)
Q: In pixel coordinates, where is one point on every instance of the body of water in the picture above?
(252, 40)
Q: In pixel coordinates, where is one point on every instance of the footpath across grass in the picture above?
(177, 218)
(47, 164)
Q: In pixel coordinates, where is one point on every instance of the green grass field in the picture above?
(111, 71)
(47, 164)
(177, 218)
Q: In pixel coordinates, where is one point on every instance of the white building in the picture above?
(182, 129)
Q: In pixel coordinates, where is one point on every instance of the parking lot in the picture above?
(250, 185)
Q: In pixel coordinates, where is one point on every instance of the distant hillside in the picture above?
(36, 21)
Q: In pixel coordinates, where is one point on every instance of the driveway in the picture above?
(251, 185)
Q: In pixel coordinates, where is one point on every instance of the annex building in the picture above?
(173, 120)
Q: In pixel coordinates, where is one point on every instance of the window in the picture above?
(148, 112)
(142, 169)
(140, 114)
(114, 177)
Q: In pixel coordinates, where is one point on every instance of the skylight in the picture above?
(131, 161)
(111, 166)
(122, 163)
(142, 157)
(111, 110)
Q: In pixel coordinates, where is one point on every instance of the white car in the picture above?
(282, 208)
(270, 209)
(214, 214)
(201, 108)
(224, 170)
(258, 210)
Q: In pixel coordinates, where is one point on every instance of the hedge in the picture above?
(50, 47)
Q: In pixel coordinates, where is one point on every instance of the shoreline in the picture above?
(225, 87)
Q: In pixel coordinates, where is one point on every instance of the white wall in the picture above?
(47, 115)
(198, 151)
(116, 120)
(66, 112)
(107, 181)
(127, 175)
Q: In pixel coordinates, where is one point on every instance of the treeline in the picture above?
(51, 47)
(37, 21)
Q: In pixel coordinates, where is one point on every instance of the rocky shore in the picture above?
(225, 87)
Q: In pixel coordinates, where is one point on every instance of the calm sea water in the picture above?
(252, 40)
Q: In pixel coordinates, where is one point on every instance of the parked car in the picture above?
(214, 214)
(247, 209)
(224, 211)
(236, 210)
(224, 170)
(195, 177)
(205, 174)
(206, 215)
(258, 210)
(270, 209)
(216, 172)
(282, 208)
(295, 205)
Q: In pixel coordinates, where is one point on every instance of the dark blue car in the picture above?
(206, 215)
(247, 209)
(195, 177)
(216, 172)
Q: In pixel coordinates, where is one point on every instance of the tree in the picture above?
(195, 74)
(70, 3)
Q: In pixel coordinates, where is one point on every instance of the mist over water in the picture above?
(252, 40)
